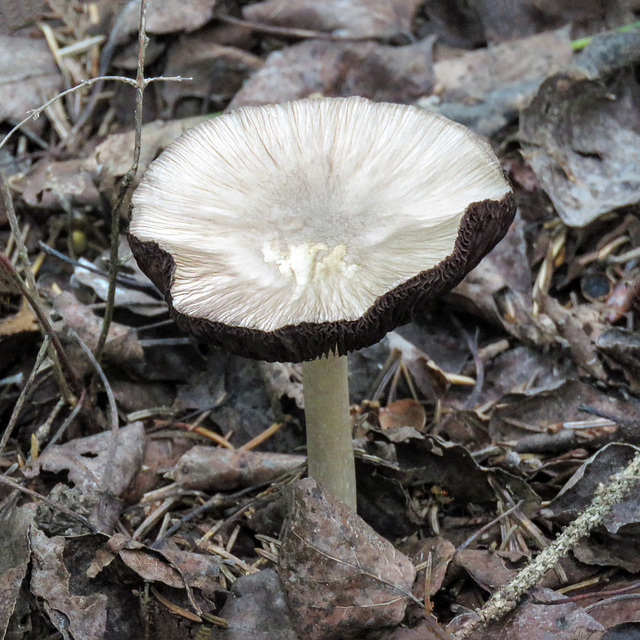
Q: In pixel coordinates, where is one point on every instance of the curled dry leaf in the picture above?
(214, 469)
(403, 413)
(338, 575)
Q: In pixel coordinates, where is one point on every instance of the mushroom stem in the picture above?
(329, 442)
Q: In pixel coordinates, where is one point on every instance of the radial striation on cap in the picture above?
(290, 231)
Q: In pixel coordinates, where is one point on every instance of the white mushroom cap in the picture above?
(310, 211)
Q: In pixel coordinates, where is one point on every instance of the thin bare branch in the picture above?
(125, 185)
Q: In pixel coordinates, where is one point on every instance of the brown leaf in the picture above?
(578, 493)
(441, 551)
(338, 575)
(22, 321)
(506, 20)
(168, 16)
(622, 350)
(475, 74)
(485, 567)
(122, 346)
(540, 419)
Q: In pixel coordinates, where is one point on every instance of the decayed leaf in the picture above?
(84, 616)
(217, 72)
(338, 575)
(167, 16)
(505, 20)
(622, 349)
(397, 74)
(257, 610)
(15, 555)
(537, 620)
(353, 18)
(477, 73)
(28, 76)
(283, 379)
(89, 461)
(217, 469)
(581, 141)
(577, 494)
(536, 422)
(132, 298)
(50, 180)
(437, 552)
(122, 344)
(612, 611)
(484, 89)
(485, 567)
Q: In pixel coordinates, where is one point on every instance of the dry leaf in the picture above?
(338, 575)
(28, 76)
(353, 18)
(217, 469)
(403, 413)
(15, 555)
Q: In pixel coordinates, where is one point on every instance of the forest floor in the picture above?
(146, 478)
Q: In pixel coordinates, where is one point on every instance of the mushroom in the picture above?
(299, 232)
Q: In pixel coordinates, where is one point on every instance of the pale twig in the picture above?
(605, 498)
(125, 185)
(34, 114)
